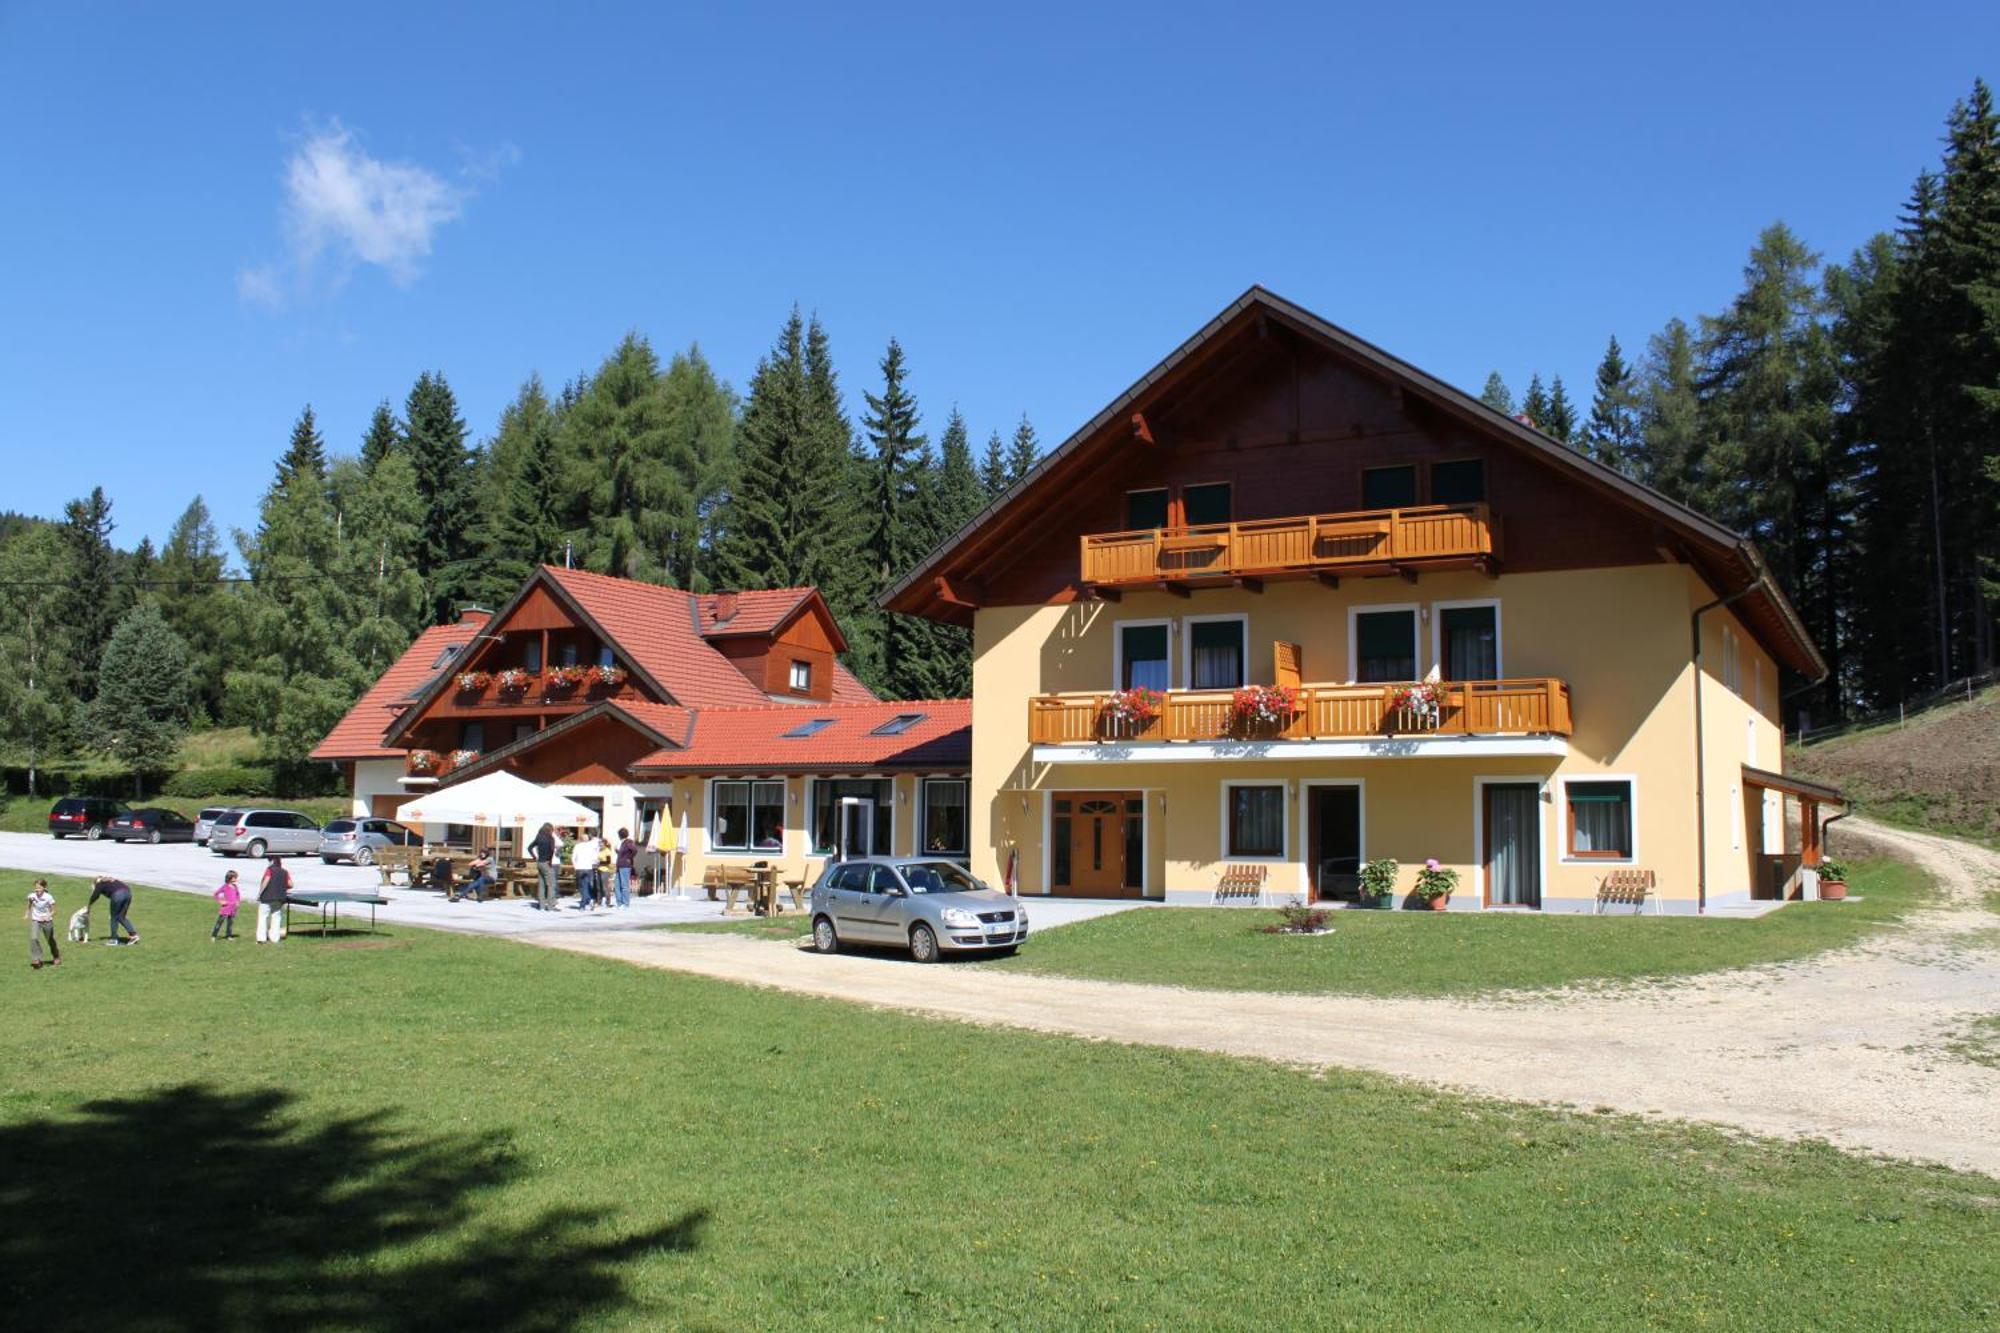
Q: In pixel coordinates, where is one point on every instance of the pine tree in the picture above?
(1673, 451)
(928, 660)
(901, 465)
(1535, 404)
(701, 452)
(143, 698)
(304, 459)
(1496, 396)
(1612, 434)
(37, 685)
(194, 602)
(94, 600)
(993, 467)
(383, 437)
(379, 517)
(616, 455)
(1561, 413)
(435, 439)
(1025, 453)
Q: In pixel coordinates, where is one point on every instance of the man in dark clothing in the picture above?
(628, 852)
(543, 849)
(120, 895)
(272, 896)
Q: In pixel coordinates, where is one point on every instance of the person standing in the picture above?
(41, 916)
(628, 852)
(120, 895)
(226, 898)
(272, 895)
(543, 849)
(607, 864)
(584, 858)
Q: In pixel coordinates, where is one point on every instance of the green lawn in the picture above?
(786, 926)
(19, 814)
(1457, 953)
(430, 1131)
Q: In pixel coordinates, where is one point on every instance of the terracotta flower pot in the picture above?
(1832, 890)
(1438, 903)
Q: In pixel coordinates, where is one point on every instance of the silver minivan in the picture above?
(930, 907)
(258, 832)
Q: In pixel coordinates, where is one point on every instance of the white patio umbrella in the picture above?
(498, 800)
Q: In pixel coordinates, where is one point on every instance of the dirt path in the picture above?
(1846, 1046)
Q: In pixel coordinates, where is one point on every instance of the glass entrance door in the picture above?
(857, 828)
(1513, 851)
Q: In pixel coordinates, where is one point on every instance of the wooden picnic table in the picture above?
(761, 890)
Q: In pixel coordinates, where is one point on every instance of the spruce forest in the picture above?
(1846, 415)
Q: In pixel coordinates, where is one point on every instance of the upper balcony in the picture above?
(1323, 712)
(1326, 546)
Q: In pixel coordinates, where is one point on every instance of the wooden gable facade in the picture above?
(809, 638)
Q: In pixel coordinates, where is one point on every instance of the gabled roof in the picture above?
(758, 611)
(1727, 560)
(666, 725)
(753, 740)
(358, 735)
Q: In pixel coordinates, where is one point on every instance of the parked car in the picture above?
(358, 840)
(258, 832)
(207, 818)
(85, 815)
(151, 824)
(929, 906)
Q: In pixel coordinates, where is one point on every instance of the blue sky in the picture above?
(214, 218)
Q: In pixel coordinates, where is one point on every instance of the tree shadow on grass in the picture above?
(194, 1208)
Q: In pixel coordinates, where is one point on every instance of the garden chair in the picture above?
(1627, 886)
(1240, 883)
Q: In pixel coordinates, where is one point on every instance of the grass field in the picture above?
(21, 815)
(1456, 953)
(434, 1131)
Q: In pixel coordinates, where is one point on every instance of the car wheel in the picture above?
(923, 943)
(154, 837)
(94, 832)
(824, 938)
(256, 850)
(328, 860)
(364, 856)
(58, 836)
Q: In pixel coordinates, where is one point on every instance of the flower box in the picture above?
(565, 677)
(514, 680)
(610, 677)
(422, 761)
(1423, 701)
(1125, 712)
(1257, 707)
(472, 682)
(458, 759)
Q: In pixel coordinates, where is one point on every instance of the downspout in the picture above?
(1700, 749)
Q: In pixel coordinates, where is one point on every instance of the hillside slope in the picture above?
(1939, 772)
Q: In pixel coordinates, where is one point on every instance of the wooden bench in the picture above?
(1632, 886)
(393, 861)
(718, 879)
(1241, 884)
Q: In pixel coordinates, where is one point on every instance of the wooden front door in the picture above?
(1090, 831)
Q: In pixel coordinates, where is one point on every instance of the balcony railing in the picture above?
(1375, 540)
(1325, 712)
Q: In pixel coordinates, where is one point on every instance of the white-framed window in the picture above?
(944, 828)
(746, 816)
(1142, 654)
(802, 677)
(823, 799)
(1382, 643)
(1600, 818)
(1215, 651)
(1255, 826)
(1465, 639)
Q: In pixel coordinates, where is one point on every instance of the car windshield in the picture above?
(937, 877)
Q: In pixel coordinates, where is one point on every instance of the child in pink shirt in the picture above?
(226, 899)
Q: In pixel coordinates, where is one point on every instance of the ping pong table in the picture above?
(333, 901)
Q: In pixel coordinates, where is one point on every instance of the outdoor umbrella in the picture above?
(498, 800)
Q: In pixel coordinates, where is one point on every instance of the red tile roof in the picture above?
(359, 734)
(655, 628)
(756, 612)
(752, 740)
(847, 687)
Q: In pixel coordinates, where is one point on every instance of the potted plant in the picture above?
(1435, 883)
(458, 759)
(1423, 701)
(421, 762)
(515, 680)
(1127, 712)
(1255, 707)
(608, 676)
(564, 678)
(472, 682)
(1832, 879)
(1378, 882)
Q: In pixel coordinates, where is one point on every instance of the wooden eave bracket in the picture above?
(1142, 432)
(959, 592)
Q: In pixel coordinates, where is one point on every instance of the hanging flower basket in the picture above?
(1263, 705)
(458, 759)
(565, 677)
(608, 676)
(422, 761)
(472, 682)
(1127, 711)
(514, 680)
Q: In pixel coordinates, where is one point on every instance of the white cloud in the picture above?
(344, 208)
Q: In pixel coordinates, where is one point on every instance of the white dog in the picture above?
(79, 926)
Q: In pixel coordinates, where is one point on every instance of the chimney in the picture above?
(725, 607)
(473, 611)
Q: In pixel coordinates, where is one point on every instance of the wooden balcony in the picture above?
(1325, 712)
(1375, 541)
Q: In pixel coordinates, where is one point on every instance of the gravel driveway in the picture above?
(1847, 1046)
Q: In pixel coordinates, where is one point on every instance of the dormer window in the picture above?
(802, 677)
(451, 651)
(805, 729)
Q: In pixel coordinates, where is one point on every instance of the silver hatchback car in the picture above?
(930, 907)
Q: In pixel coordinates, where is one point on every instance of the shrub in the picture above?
(1378, 877)
(1298, 919)
(220, 780)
